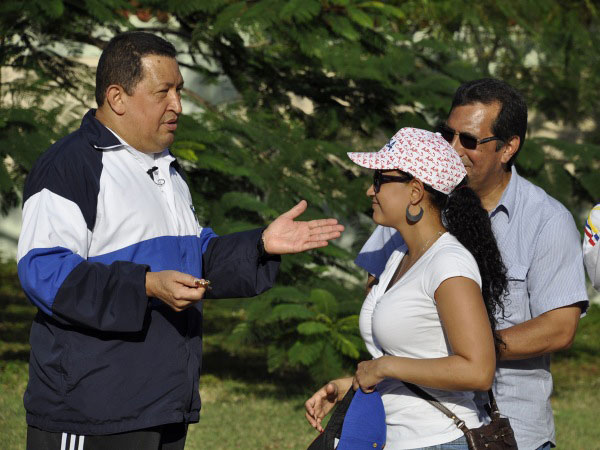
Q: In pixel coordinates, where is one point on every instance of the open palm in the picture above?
(286, 235)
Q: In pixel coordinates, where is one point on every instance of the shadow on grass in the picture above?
(16, 315)
(253, 369)
(578, 352)
(16, 355)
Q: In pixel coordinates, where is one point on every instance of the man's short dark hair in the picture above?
(121, 60)
(512, 118)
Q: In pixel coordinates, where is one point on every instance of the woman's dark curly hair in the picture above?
(466, 219)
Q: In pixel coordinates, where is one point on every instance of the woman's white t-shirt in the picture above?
(404, 322)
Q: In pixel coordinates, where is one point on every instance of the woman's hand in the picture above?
(369, 374)
(322, 401)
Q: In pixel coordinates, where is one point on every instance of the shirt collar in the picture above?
(144, 158)
(508, 200)
(103, 138)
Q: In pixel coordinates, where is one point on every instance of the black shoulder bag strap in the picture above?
(326, 440)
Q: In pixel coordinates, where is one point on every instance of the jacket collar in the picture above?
(96, 133)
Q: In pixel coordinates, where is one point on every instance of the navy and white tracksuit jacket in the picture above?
(104, 357)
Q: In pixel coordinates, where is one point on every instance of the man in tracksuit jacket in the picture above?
(114, 258)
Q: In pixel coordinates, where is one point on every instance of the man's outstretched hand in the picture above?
(285, 235)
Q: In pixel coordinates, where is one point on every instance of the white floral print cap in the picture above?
(423, 154)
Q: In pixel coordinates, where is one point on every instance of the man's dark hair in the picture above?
(512, 118)
(121, 60)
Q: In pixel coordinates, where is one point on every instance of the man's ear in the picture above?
(115, 97)
(510, 148)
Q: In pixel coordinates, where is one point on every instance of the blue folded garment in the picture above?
(364, 424)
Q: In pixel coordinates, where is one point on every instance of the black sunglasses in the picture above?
(379, 179)
(468, 141)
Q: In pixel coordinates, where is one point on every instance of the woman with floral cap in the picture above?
(430, 320)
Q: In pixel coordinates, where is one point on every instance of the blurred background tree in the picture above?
(311, 80)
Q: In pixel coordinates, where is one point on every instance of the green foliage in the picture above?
(39, 41)
(310, 328)
(301, 331)
(24, 133)
(313, 79)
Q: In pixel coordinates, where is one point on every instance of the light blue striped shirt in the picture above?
(541, 249)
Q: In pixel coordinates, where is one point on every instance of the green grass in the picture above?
(15, 319)
(245, 408)
(576, 397)
(238, 414)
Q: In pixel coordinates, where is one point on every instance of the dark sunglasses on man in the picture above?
(467, 140)
(379, 179)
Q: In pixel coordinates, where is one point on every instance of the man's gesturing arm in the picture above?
(245, 264)
(286, 235)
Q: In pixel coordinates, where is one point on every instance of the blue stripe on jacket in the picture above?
(183, 253)
(44, 270)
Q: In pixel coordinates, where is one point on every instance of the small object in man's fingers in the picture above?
(202, 283)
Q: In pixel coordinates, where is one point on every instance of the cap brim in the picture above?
(370, 160)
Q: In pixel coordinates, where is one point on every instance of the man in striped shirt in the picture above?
(540, 247)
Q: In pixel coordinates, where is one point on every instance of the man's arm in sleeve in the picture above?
(557, 294)
(58, 211)
(591, 246)
(246, 263)
(237, 265)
